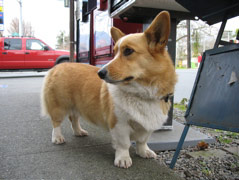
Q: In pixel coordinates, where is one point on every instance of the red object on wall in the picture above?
(127, 28)
(199, 58)
(103, 5)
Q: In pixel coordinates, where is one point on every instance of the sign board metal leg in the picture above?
(179, 147)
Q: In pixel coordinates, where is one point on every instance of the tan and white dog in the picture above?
(128, 96)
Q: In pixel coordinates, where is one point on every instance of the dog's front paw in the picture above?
(123, 162)
(143, 151)
(147, 153)
(58, 139)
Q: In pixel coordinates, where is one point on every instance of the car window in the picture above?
(12, 44)
(34, 44)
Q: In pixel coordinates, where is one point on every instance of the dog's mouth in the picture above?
(127, 79)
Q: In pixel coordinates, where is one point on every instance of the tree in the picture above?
(236, 34)
(14, 26)
(188, 44)
(62, 41)
(27, 29)
(202, 38)
(196, 44)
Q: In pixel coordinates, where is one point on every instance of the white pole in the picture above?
(20, 19)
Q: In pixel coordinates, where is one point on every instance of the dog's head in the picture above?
(140, 56)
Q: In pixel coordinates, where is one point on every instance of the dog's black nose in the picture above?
(102, 73)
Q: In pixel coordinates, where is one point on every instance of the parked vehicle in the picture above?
(28, 53)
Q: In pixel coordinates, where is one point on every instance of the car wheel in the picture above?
(63, 61)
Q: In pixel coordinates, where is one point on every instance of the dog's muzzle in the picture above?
(103, 74)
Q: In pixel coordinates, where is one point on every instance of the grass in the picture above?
(225, 140)
(181, 67)
(182, 105)
(205, 169)
(226, 137)
(177, 67)
(233, 135)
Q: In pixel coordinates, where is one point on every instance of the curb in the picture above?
(21, 76)
(30, 76)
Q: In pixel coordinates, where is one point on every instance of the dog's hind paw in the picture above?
(58, 139)
(81, 132)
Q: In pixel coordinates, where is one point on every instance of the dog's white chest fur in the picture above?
(139, 104)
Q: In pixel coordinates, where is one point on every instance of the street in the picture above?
(183, 89)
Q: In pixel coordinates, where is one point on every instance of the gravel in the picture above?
(225, 167)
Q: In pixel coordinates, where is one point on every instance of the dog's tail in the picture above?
(44, 111)
(43, 102)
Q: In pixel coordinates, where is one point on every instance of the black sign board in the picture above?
(214, 100)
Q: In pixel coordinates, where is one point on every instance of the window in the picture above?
(84, 39)
(34, 44)
(12, 44)
(103, 24)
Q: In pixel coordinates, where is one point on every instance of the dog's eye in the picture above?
(128, 51)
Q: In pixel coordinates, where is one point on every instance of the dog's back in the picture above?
(73, 89)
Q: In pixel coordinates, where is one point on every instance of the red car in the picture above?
(28, 53)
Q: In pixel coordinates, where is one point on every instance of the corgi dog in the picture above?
(128, 96)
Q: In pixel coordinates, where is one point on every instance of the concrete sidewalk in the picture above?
(26, 151)
(21, 74)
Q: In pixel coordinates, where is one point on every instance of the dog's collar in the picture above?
(165, 98)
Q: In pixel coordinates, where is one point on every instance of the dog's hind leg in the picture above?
(75, 124)
(57, 117)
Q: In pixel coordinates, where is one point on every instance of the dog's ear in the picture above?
(158, 32)
(116, 34)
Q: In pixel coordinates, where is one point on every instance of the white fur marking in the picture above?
(139, 104)
(143, 151)
(57, 137)
(117, 54)
(122, 158)
(121, 40)
(121, 142)
(119, 44)
(43, 103)
(144, 92)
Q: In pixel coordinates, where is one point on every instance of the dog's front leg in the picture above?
(142, 148)
(121, 142)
